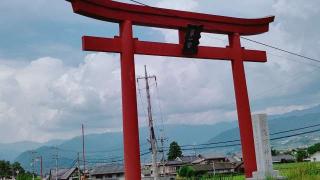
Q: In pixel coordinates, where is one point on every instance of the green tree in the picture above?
(301, 154)
(174, 151)
(186, 171)
(274, 152)
(17, 167)
(5, 169)
(314, 148)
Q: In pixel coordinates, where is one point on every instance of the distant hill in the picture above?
(101, 147)
(107, 147)
(9, 151)
(288, 121)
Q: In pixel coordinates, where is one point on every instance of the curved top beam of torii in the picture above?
(108, 10)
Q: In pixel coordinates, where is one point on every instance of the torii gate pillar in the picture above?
(129, 103)
(243, 106)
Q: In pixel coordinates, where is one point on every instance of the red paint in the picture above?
(128, 15)
(112, 11)
(243, 107)
(167, 49)
(129, 104)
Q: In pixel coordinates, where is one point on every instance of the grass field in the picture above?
(300, 171)
(293, 171)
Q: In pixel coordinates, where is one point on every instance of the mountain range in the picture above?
(281, 126)
(107, 147)
(9, 151)
(104, 147)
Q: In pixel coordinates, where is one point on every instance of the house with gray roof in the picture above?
(283, 158)
(172, 167)
(187, 159)
(210, 159)
(65, 174)
(107, 172)
(215, 168)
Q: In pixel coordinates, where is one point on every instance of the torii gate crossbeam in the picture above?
(128, 15)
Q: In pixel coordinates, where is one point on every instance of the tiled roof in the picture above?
(216, 166)
(280, 157)
(188, 159)
(62, 173)
(67, 174)
(174, 162)
(213, 156)
(107, 169)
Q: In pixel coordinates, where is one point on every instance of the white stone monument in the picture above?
(262, 149)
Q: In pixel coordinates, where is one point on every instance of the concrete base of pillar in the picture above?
(264, 176)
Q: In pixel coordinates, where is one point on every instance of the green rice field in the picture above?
(292, 171)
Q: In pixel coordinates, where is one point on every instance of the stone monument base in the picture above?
(264, 176)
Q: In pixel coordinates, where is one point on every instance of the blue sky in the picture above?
(49, 86)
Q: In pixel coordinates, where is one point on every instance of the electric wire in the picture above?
(237, 140)
(238, 144)
(283, 50)
(271, 134)
(204, 146)
(254, 41)
(294, 78)
(272, 54)
(276, 48)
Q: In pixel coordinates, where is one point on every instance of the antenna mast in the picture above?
(83, 153)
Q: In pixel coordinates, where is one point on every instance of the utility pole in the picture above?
(162, 139)
(41, 167)
(214, 168)
(13, 173)
(41, 162)
(194, 149)
(79, 175)
(152, 139)
(56, 157)
(83, 153)
(32, 163)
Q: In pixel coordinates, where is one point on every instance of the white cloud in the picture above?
(299, 9)
(283, 109)
(178, 4)
(46, 98)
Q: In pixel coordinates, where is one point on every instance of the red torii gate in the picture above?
(127, 15)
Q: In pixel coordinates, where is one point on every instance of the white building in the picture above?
(315, 157)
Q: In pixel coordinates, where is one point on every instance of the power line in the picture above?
(277, 48)
(137, 2)
(272, 54)
(237, 140)
(306, 127)
(205, 146)
(200, 146)
(283, 50)
(211, 147)
(98, 151)
(254, 41)
(114, 160)
(299, 61)
(297, 134)
(213, 143)
(238, 144)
